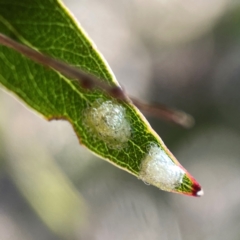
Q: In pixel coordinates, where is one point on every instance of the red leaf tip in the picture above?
(197, 191)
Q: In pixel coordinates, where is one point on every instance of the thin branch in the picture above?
(168, 114)
(89, 81)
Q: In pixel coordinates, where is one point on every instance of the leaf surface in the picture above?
(117, 132)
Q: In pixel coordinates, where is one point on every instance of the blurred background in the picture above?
(184, 54)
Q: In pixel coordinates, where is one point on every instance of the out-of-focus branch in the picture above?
(168, 114)
(89, 81)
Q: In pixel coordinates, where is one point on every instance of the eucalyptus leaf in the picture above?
(115, 131)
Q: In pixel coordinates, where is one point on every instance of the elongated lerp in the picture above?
(161, 169)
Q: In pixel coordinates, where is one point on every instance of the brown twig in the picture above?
(168, 114)
(88, 81)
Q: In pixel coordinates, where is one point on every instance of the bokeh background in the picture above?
(185, 54)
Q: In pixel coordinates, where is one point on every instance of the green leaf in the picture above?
(115, 131)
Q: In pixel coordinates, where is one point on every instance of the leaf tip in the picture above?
(197, 190)
(200, 193)
(161, 169)
(190, 187)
